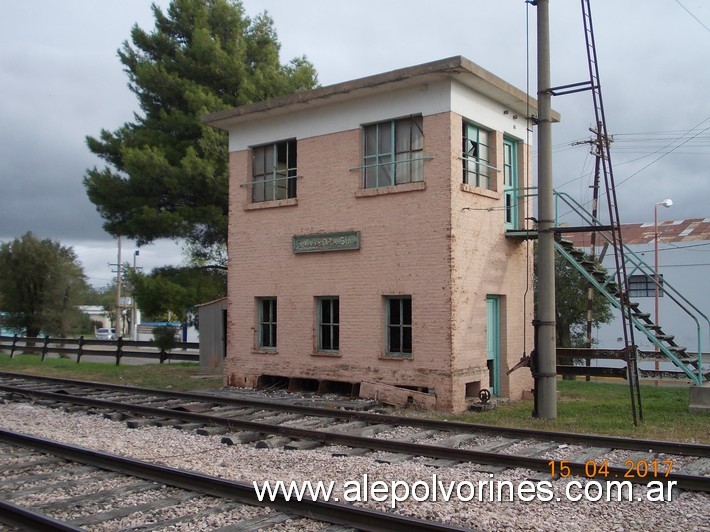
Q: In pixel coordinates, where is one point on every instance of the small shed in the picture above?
(212, 318)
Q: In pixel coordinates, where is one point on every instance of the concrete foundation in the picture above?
(699, 399)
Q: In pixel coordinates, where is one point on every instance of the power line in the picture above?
(692, 15)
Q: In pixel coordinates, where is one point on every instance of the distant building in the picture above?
(367, 243)
(212, 318)
(97, 314)
(684, 265)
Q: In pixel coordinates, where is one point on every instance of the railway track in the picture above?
(53, 486)
(391, 438)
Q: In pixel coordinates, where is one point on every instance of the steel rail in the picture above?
(26, 519)
(684, 481)
(597, 440)
(332, 512)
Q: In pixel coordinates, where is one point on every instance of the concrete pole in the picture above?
(134, 314)
(119, 317)
(547, 354)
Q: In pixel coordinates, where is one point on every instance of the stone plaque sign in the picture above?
(326, 242)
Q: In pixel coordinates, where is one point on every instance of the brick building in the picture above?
(367, 236)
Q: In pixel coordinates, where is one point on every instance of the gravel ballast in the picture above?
(206, 454)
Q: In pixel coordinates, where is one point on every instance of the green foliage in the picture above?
(571, 303)
(571, 291)
(168, 292)
(41, 284)
(603, 408)
(176, 377)
(167, 173)
(164, 338)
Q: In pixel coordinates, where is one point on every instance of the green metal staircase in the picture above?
(605, 283)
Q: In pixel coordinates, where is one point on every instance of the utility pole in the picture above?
(134, 313)
(546, 383)
(119, 317)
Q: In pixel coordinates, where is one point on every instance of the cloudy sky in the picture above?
(60, 80)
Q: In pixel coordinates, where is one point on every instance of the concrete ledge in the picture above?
(699, 396)
(393, 395)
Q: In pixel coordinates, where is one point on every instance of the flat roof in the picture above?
(457, 67)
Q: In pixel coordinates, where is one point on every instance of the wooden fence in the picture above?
(117, 349)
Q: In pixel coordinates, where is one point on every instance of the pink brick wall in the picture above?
(418, 243)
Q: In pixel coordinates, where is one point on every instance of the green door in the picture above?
(493, 343)
(510, 184)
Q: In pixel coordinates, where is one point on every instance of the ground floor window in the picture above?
(267, 322)
(399, 325)
(328, 324)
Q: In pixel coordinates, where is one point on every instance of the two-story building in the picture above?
(367, 236)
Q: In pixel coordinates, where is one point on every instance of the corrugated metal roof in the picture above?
(670, 231)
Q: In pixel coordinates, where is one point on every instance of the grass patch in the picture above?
(604, 408)
(176, 376)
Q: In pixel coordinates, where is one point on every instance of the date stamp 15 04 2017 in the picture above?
(632, 469)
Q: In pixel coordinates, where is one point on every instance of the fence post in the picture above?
(44, 347)
(119, 350)
(80, 349)
(14, 345)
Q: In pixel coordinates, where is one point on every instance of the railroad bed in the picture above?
(394, 449)
(54, 486)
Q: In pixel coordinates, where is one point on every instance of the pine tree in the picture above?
(166, 173)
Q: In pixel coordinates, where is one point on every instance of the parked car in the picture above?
(105, 334)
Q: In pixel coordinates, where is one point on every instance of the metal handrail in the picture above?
(640, 265)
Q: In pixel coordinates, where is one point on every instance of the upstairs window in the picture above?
(393, 152)
(274, 171)
(477, 169)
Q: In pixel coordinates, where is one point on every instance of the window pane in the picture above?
(417, 133)
(326, 338)
(371, 140)
(384, 171)
(406, 311)
(268, 160)
(266, 311)
(265, 340)
(407, 340)
(384, 141)
(394, 342)
(402, 135)
(370, 176)
(395, 318)
(257, 192)
(403, 169)
(336, 311)
(336, 338)
(483, 153)
(258, 162)
(325, 310)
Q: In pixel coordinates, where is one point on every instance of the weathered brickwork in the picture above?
(433, 242)
(438, 241)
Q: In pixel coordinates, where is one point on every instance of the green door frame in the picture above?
(493, 342)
